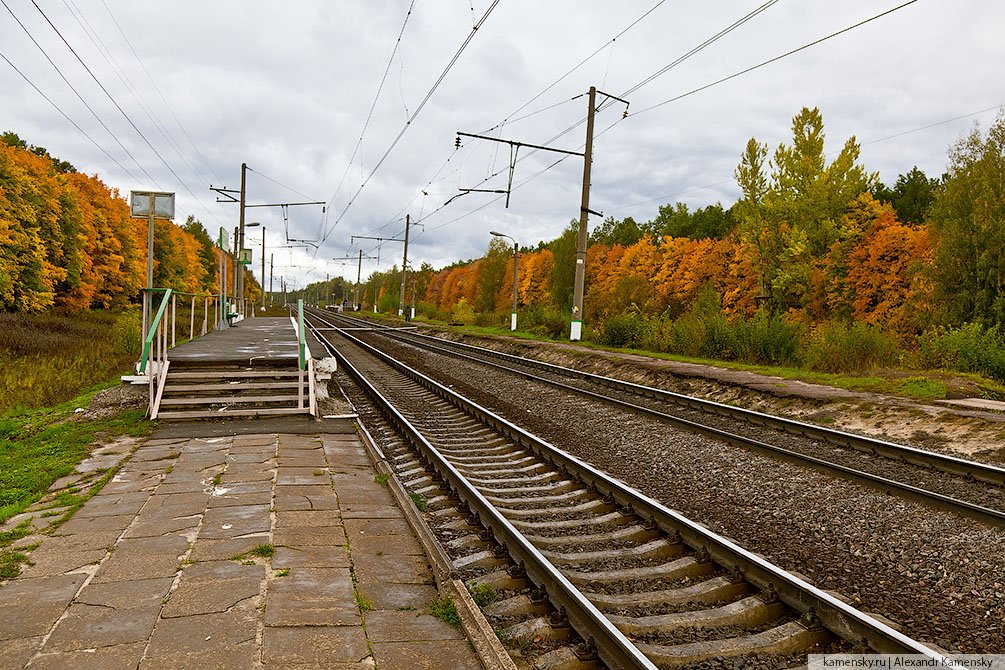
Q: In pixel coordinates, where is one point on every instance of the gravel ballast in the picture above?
(940, 576)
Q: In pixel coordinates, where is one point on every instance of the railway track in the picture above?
(967, 488)
(639, 583)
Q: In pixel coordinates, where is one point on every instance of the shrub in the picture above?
(489, 319)
(128, 330)
(766, 340)
(840, 347)
(623, 330)
(388, 303)
(543, 321)
(968, 348)
(463, 313)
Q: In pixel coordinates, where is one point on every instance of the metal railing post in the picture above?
(191, 321)
(174, 317)
(302, 340)
(146, 316)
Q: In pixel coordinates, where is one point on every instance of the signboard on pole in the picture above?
(139, 204)
(224, 238)
(245, 257)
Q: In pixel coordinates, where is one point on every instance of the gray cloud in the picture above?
(285, 87)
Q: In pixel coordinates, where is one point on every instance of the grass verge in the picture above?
(42, 445)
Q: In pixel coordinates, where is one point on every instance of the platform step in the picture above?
(203, 414)
(233, 374)
(228, 400)
(231, 386)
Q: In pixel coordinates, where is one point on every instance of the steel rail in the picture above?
(972, 510)
(984, 472)
(612, 645)
(835, 615)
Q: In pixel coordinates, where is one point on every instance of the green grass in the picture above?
(263, 550)
(42, 445)
(445, 610)
(481, 593)
(364, 604)
(921, 387)
(11, 559)
(919, 384)
(382, 479)
(418, 501)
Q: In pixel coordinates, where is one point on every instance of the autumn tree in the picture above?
(968, 221)
(797, 218)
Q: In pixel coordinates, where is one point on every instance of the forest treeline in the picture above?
(67, 242)
(817, 264)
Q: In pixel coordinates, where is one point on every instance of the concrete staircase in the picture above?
(233, 391)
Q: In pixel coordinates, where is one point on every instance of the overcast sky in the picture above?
(287, 88)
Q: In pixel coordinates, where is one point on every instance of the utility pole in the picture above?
(263, 268)
(238, 270)
(270, 276)
(404, 264)
(413, 295)
(359, 272)
(353, 238)
(328, 285)
(576, 332)
(229, 196)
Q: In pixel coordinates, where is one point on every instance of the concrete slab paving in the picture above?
(254, 550)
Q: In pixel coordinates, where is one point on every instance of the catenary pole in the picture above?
(404, 264)
(576, 332)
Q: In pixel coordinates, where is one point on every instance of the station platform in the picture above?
(263, 550)
(258, 341)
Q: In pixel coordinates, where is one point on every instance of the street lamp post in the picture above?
(516, 251)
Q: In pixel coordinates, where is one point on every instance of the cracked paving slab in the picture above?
(230, 552)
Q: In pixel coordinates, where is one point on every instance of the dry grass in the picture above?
(46, 359)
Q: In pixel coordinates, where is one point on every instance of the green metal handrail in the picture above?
(190, 295)
(301, 337)
(145, 356)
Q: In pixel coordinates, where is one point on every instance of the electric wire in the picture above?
(123, 77)
(122, 111)
(733, 76)
(77, 93)
(376, 96)
(415, 113)
(277, 183)
(507, 120)
(160, 94)
(772, 60)
(71, 121)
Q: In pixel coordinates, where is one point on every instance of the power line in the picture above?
(507, 120)
(119, 72)
(581, 63)
(277, 183)
(119, 107)
(72, 122)
(711, 40)
(772, 60)
(158, 90)
(373, 105)
(750, 69)
(415, 113)
(75, 92)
